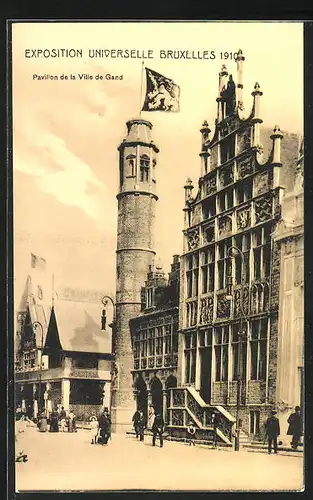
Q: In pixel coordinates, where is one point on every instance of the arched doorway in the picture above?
(141, 395)
(157, 395)
(171, 381)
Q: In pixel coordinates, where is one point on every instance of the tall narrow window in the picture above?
(192, 275)
(227, 148)
(190, 357)
(258, 349)
(167, 339)
(208, 258)
(221, 353)
(261, 253)
(144, 168)
(208, 208)
(223, 262)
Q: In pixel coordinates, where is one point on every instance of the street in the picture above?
(66, 461)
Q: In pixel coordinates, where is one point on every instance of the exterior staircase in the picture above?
(186, 406)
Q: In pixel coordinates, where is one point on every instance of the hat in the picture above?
(274, 412)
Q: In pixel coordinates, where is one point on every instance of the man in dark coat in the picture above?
(157, 429)
(105, 426)
(54, 421)
(272, 431)
(136, 420)
(295, 427)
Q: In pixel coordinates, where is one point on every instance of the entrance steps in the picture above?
(211, 423)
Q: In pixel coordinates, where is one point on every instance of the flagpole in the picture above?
(141, 86)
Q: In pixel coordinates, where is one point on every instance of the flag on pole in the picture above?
(162, 94)
(38, 262)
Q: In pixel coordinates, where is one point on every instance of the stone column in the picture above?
(65, 394)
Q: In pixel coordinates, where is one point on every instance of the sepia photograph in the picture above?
(158, 241)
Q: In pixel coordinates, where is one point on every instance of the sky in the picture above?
(66, 132)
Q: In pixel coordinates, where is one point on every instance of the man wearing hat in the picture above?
(272, 431)
(295, 427)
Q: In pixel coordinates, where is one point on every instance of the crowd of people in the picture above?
(58, 420)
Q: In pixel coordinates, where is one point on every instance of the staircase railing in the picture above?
(187, 404)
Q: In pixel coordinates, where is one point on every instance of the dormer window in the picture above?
(144, 168)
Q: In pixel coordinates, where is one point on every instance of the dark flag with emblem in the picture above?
(162, 94)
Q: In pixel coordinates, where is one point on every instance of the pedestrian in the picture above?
(62, 417)
(71, 422)
(191, 430)
(105, 426)
(42, 422)
(272, 431)
(157, 429)
(295, 427)
(94, 429)
(54, 420)
(215, 420)
(141, 425)
(135, 420)
(151, 414)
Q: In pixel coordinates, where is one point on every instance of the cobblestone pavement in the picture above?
(66, 461)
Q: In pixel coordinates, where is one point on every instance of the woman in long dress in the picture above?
(42, 423)
(150, 416)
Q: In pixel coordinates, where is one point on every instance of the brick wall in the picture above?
(219, 393)
(256, 391)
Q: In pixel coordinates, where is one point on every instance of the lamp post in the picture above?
(233, 251)
(35, 325)
(105, 299)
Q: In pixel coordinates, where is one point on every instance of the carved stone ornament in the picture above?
(240, 106)
(263, 208)
(227, 176)
(245, 300)
(206, 314)
(237, 303)
(193, 239)
(245, 167)
(115, 376)
(223, 307)
(289, 245)
(224, 225)
(211, 185)
(243, 218)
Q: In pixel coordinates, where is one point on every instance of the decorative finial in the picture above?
(277, 132)
(240, 56)
(257, 89)
(224, 69)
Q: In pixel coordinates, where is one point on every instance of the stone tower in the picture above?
(135, 253)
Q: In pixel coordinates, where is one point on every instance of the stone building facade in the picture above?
(155, 340)
(236, 294)
(62, 357)
(225, 346)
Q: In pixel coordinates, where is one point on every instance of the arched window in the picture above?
(131, 166)
(144, 168)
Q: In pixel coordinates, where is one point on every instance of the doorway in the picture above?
(205, 377)
(157, 395)
(142, 396)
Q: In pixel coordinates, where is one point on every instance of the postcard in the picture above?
(158, 256)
